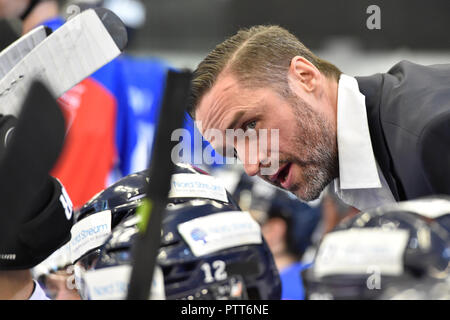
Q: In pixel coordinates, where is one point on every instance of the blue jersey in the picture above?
(291, 282)
(138, 87)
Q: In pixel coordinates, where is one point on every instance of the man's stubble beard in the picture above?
(315, 150)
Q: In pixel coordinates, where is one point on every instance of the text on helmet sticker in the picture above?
(429, 208)
(355, 251)
(112, 283)
(186, 185)
(220, 231)
(90, 233)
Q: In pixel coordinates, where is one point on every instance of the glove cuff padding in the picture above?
(39, 237)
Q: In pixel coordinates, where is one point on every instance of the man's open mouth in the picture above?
(281, 177)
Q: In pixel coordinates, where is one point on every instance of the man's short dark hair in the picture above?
(258, 56)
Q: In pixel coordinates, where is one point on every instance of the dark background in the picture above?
(182, 32)
(198, 25)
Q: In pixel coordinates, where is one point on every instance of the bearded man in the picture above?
(379, 139)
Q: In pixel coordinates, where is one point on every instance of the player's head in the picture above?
(395, 252)
(210, 249)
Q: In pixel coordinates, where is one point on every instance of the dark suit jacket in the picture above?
(408, 111)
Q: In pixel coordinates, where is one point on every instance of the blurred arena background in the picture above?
(184, 31)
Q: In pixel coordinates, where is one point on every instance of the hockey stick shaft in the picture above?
(145, 249)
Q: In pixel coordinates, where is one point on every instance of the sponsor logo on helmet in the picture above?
(112, 283)
(90, 233)
(220, 231)
(199, 235)
(185, 185)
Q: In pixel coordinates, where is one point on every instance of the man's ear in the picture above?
(303, 74)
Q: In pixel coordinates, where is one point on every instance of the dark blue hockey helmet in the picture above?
(399, 251)
(209, 249)
(243, 269)
(122, 198)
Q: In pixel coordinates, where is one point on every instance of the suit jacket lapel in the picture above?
(371, 88)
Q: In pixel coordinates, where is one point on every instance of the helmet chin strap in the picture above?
(30, 8)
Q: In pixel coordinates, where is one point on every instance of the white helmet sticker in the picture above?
(220, 231)
(429, 208)
(186, 185)
(357, 251)
(90, 233)
(112, 283)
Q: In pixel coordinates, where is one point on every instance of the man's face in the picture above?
(307, 147)
(12, 8)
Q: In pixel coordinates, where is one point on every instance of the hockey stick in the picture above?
(73, 52)
(34, 148)
(16, 51)
(145, 249)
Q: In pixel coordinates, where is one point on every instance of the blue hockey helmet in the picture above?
(242, 269)
(210, 249)
(399, 251)
(123, 197)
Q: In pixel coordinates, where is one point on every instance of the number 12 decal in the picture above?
(219, 271)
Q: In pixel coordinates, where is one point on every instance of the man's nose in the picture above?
(251, 169)
(252, 164)
(252, 159)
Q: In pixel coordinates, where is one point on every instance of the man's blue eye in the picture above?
(251, 125)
